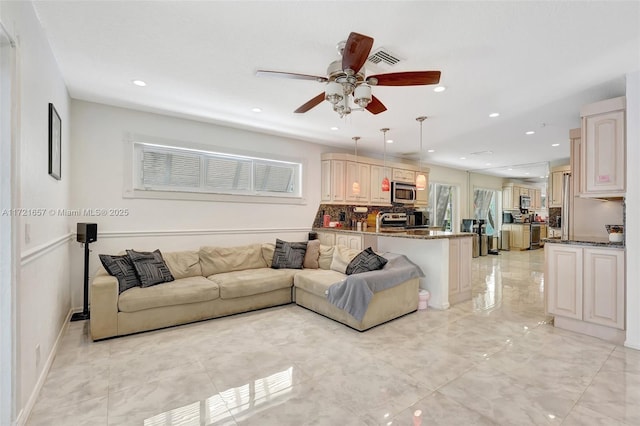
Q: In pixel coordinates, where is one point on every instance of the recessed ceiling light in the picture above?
(335, 128)
(431, 150)
(256, 110)
(487, 164)
(541, 177)
(527, 173)
(463, 158)
(510, 168)
(139, 83)
(530, 132)
(494, 114)
(389, 140)
(555, 144)
(439, 89)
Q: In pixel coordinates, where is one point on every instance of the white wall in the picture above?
(43, 276)
(632, 224)
(98, 160)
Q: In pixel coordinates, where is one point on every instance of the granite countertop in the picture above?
(421, 233)
(591, 241)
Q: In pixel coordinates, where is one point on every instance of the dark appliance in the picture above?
(403, 193)
(417, 219)
(85, 233)
(535, 236)
(393, 220)
(507, 217)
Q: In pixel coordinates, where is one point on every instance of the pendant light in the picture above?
(421, 179)
(355, 187)
(386, 186)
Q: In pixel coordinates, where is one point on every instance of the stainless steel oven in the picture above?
(535, 236)
(403, 193)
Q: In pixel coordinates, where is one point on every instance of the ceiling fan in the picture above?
(346, 78)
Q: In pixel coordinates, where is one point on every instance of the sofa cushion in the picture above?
(342, 256)
(317, 281)
(218, 260)
(150, 267)
(312, 255)
(252, 281)
(183, 264)
(267, 252)
(366, 261)
(178, 292)
(288, 255)
(122, 268)
(326, 256)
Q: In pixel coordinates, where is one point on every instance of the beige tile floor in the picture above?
(492, 360)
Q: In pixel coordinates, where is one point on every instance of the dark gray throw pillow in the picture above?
(150, 267)
(122, 268)
(288, 255)
(365, 261)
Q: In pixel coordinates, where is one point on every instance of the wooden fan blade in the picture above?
(356, 51)
(375, 106)
(310, 104)
(290, 75)
(411, 78)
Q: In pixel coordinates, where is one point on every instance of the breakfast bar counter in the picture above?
(444, 257)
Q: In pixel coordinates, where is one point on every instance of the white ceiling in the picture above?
(535, 63)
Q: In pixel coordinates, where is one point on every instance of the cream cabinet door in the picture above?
(507, 198)
(342, 240)
(604, 287)
(402, 175)
(460, 254)
(327, 238)
(454, 272)
(563, 280)
(377, 195)
(325, 181)
(362, 174)
(337, 180)
(603, 154)
(555, 192)
(354, 242)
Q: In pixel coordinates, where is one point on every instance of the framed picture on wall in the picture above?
(55, 143)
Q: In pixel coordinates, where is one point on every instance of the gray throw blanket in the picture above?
(354, 293)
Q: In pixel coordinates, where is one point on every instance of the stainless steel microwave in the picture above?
(403, 193)
(525, 202)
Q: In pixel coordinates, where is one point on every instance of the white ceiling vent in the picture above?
(383, 57)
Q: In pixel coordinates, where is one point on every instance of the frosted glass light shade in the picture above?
(362, 95)
(386, 187)
(421, 182)
(333, 92)
(355, 188)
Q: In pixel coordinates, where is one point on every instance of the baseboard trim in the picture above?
(39, 251)
(31, 402)
(196, 232)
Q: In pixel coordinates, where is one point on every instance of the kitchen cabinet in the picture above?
(585, 289)
(536, 200)
(460, 253)
(353, 241)
(507, 198)
(519, 235)
(511, 197)
(544, 233)
(554, 233)
(554, 194)
(332, 181)
(361, 173)
(327, 238)
(377, 195)
(402, 175)
(602, 151)
(422, 197)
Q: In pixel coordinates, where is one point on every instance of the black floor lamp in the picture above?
(86, 233)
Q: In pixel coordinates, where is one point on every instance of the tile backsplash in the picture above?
(347, 210)
(554, 215)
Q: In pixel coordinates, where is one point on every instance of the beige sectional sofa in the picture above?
(219, 281)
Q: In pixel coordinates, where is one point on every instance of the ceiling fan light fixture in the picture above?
(333, 92)
(362, 95)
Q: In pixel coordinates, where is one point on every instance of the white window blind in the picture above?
(166, 168)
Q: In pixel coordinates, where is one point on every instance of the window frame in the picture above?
(133, 170)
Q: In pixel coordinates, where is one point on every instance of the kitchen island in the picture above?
(444, 257)
(585, 286)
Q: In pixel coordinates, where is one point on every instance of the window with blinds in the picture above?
(165, 168)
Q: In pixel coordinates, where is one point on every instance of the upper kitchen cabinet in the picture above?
(554, 194)
(378, 196)
(361, 173)
(403, 175)
(602, 149)
(332, 181)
